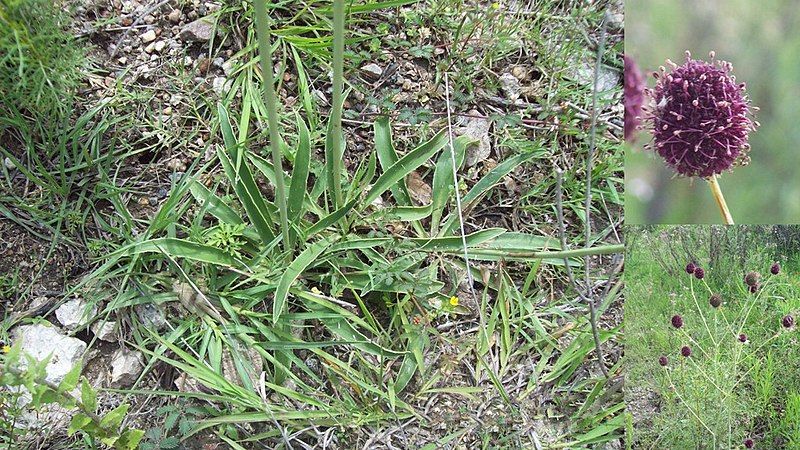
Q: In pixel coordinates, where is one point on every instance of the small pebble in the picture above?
(149, 36)
(175, 16)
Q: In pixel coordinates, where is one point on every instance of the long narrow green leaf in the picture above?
(387, 157)
(331, 218)
(181, 249)
(302, 159)
(405, 165)
(214, 204)
(443, 179)
(303, 260)
(454, 243)
(242, 180)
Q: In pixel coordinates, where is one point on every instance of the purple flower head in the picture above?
(787, 321)
(699, 273)
(686, 351)
(701, 120)
(715, 300)
(690, 268)
(677, 321)
(742, 338)
(751, 278)
(775, 269)
(634, 97)
(663, 361)
(748, 443)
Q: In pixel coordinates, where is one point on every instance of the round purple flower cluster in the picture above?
(701, 120)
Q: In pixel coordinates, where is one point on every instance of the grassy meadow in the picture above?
(741, 380)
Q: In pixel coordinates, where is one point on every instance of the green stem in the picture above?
(336, 110)
(600, 250)
(270, 100)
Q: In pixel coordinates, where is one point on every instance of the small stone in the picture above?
(203, 64)
(220, 85)
(105, 330)
(200, 30)
(174, 16)
(160, 46)
(510, 86)
(75, 313)
(167, 111)
(151, 316)
(150, 48)
(42, 340)
(218, 62)
(149, 36)
(227, 68)
(125, 368)
(519, 73)
(477, 128)
(123, 60)
(420, 190)
(9, 164)
(149, 19)
(372, 71)
(408, 85)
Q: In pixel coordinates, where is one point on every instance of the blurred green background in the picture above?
(761, 39)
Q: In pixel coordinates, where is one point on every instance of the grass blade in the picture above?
(298, 266)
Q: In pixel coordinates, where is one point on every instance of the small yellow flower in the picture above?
(6, 349)
(496, 5)
(314, 290)
(454, 301)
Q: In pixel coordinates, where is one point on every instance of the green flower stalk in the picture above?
(270, 100)
(336, 110)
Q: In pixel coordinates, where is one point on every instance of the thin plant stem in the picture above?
(720, 199)
(336, 109)
(455, 185)
(588, 205)
(586, 298)
(270, 100)
(700, 310)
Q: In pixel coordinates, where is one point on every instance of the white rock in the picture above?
(150, 48)
(510, 86)
(478, 129)
(149, 36)
(221, 85)
(105, 330)
(42, 340)
(75, 313)
(227, 68)
(372, 70)
(160, 46)
(9, 163)
(218, 62)
(607, 78)
(125, 368)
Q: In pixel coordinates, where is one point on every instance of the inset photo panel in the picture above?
(711, 323)
(711, 111)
